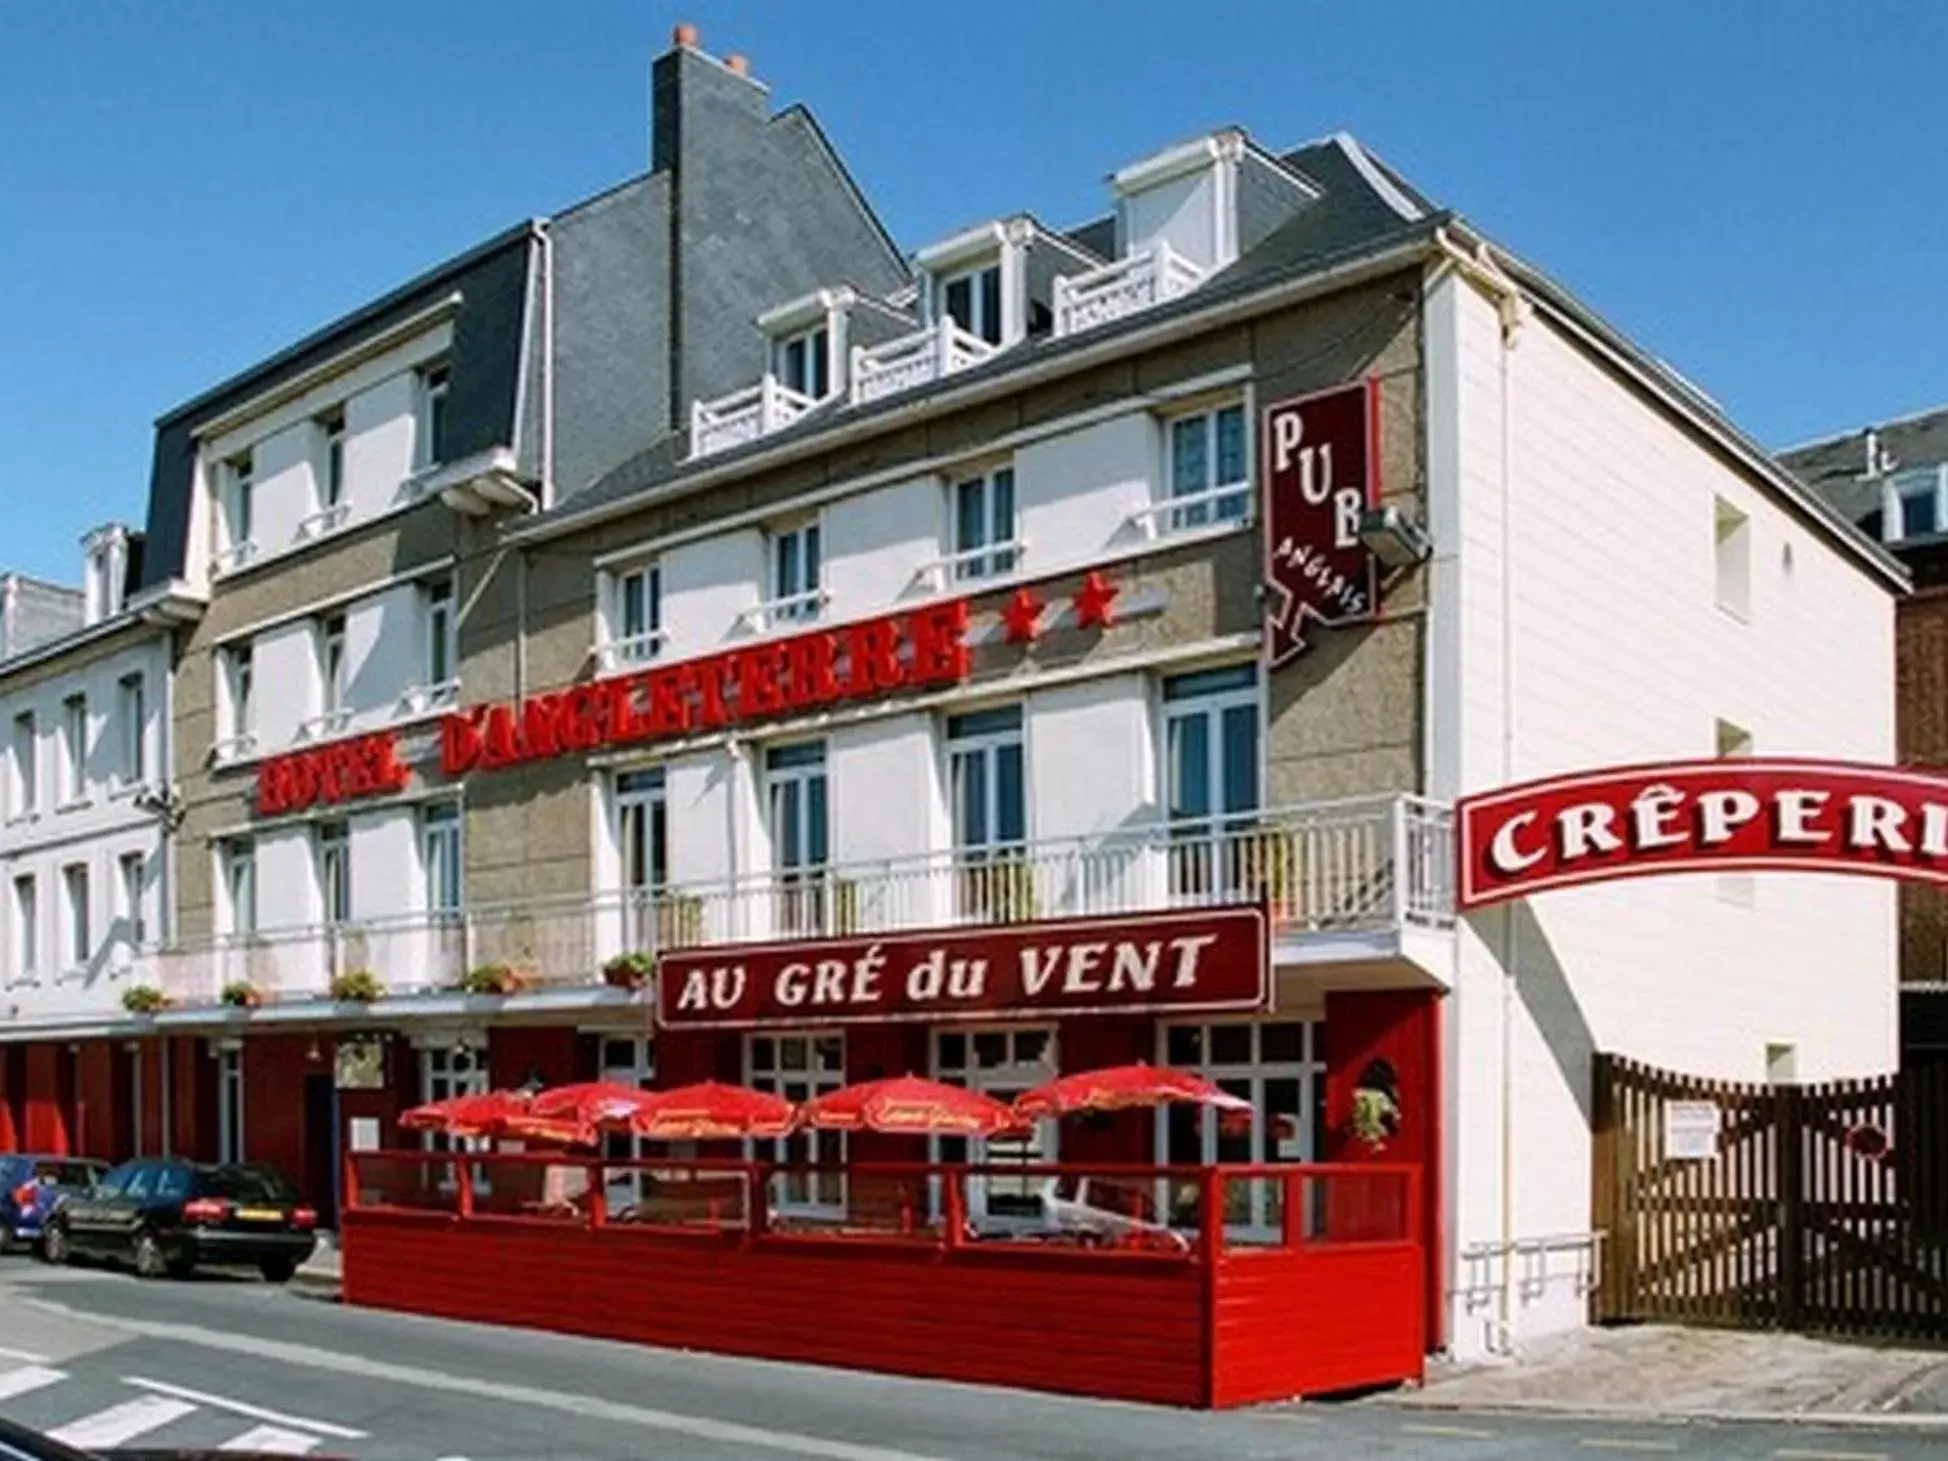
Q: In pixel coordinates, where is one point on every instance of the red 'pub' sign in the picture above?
(1206, 959)
(1318, 462)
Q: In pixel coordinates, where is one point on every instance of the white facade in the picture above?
(83, 869)
(1608, 590)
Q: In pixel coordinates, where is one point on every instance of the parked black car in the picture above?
(166, 1215)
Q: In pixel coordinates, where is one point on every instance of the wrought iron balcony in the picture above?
(1159, 273)
(744, 415)
(915, 360)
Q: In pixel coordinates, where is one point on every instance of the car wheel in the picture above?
(277, 1270)
(150, 1260)
(56, 1245)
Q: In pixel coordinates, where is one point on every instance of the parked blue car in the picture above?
(32, 1187)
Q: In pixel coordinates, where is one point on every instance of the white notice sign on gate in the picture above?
(1691, 1130)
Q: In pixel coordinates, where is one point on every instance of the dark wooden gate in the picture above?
(1822, 1207)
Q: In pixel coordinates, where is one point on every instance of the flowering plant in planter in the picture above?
(242, 994)
(494, 979)
(144, 999)
(632, 970)
(356, 986)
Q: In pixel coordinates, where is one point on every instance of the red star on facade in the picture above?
(1092, 602)
(1022, 616)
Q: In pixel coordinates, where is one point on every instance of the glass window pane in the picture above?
(970, 526)
(1235, 1140)
(635, 605)
(1210, 682)
(1185, 1144)
(1031, 1046)
(1010, 804)
(1241, 758)
(970, 799)
(1184, 1045)
(792, 1054)
(953, 1051)
(1281, 1118)
(991, 305)
(811, 557)
(990, 1049)
(1283, 1040)
(1190, 766)
(999, 721)
(785, 551)
(960, 301)
(821, 372)
(815, 835)
(1230, 445)
(1001, 492)
(763, 1053)
(1189, 464)
(831, 1054)
(1231, 1045)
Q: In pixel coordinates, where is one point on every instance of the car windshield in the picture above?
(244, 1184)
(67, 1174)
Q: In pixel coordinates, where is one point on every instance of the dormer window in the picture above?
(105, 567)
(1916, 504)
(434, 381)
(973, 301)
(803, 362)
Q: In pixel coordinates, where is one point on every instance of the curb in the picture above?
(315, 1284)
(1925, 1424)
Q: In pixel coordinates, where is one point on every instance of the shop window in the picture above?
(1274, 1064)
(800, 1066)
(1002, 1063)
(446, 1071)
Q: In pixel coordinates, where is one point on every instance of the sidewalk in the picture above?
(319, 1277)
(1670, 1373)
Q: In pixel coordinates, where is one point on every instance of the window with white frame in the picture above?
(237, 867)
(992, 881)
(1732, 566)
(973, 300)
(1209, 467)
(801, 1065)
(984, 524)
(27, 926)
(132, 873)
(80, 942)
(636, 614)
(795, 568)
(331, 466)
(440, 664)
(429, 443)
(239, 485)
(796, 805)
(626, 1060)
(26, 778)
(132, 696)
(335, 871)
(439, 842)
(74, 748)
(1916, 504)
(642, 853)
(239, 720)
(1001, 1062)
(447, 1071)
(331, 662)
(1279, 1067)
(803, 362)
(230, 1103)
(1211, 779)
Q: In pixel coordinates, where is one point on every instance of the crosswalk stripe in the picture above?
(238, 1407)
(271, 1440)
(122, 1422)
(28, 1377)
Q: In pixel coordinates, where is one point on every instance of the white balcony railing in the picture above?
(234, 748)
(993, 560)
(631, 649)
(1159, 273)
(324, 522)
(785, 611)
(1368, 865)
(915, 360)
(744, 415)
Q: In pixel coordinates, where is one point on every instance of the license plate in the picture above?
(259, 1215)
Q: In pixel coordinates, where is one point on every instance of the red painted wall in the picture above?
(274, 1068)
(1402, 1027)
(384, 1105)
(149, 1072)
(13, 1099)
(683, 1057)
(1315, 1321)
(95, 1132)
(515, 1055)
(49, 1101)
(192, 1099)
(1092, 1044)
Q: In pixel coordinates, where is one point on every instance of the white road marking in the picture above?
(22, 1355)
(238, 1407)
(29, 1377)
(122, 1422)
(1618, 1443)
(1466, 1433)
(567, 1402)
(270, 1440)
(1790, 1453)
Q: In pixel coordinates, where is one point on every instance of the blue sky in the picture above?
(1756, 191)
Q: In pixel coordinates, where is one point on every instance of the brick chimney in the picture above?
(694, 95)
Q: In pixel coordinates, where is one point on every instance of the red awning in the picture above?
(1121, 1087)
(909, 1105)
(710, 1111)
(484, 1114)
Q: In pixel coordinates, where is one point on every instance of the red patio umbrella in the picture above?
(484, 1114)
(710, 1111)
(909, 1105)
(591, 1105)
(1122, 1087)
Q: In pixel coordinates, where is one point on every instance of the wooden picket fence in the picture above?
(1820, 1208)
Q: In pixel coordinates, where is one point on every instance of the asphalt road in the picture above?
(104, 1358)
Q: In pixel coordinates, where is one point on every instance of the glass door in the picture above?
(795, 792)
(800, 1067)
(1211, 770)
(1001, 1063)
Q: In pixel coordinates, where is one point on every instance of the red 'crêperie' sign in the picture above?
(1206, 959)
(1805, 816)
(341, 771)
(926, 646)
(1318, 457)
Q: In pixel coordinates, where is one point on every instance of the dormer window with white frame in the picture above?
(1915, 504)
(429, 436)
(803, 362)
(806, 345)
(972, 299)
(237, 482)
(105, 569)
(633, 616)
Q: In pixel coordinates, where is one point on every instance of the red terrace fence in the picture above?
(1202, 1286)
